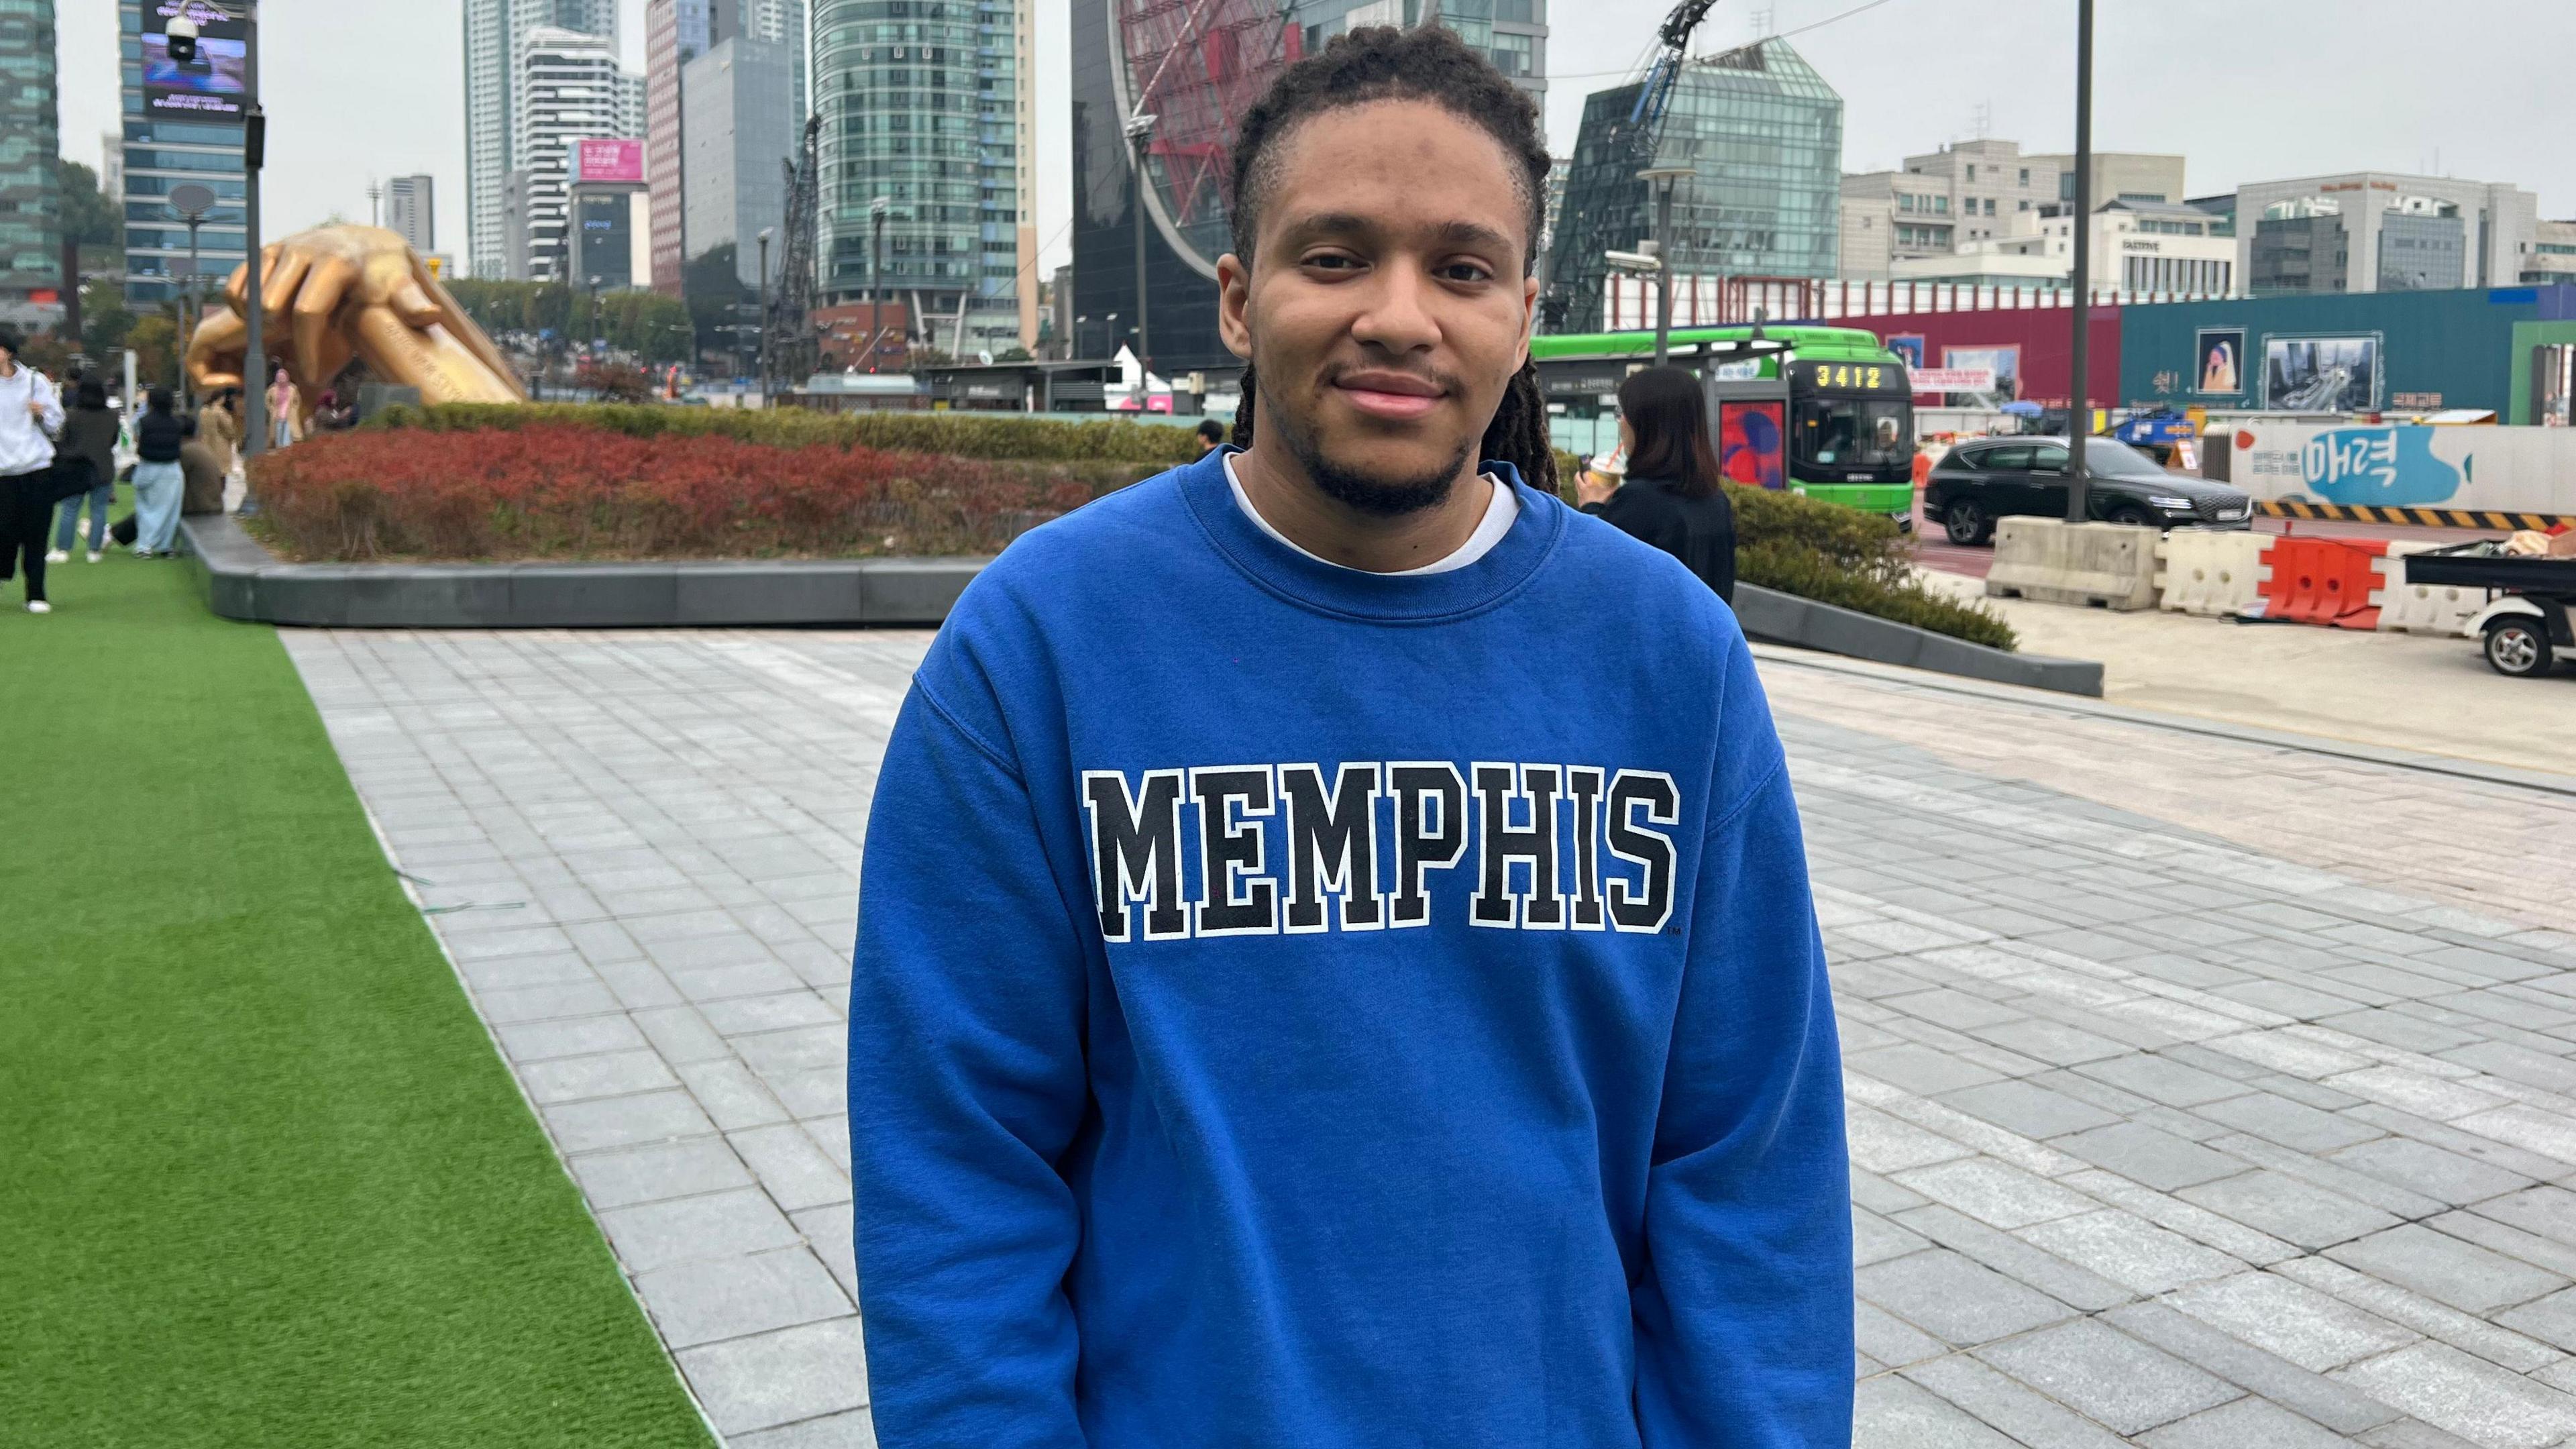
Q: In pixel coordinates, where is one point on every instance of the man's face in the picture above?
(1387, 306)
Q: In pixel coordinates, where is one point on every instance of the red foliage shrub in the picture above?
(562, 492)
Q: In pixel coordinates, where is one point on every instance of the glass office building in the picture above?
(1763, 135)
(926, 104)
(31, 202)
(162, 153)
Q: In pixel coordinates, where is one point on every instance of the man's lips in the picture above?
(1392, 395)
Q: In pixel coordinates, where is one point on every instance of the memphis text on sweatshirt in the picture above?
(1367, 845)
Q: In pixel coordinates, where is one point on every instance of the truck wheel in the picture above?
(2518, 645)
(1967, 522)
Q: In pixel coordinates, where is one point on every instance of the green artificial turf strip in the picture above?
(263, 1179)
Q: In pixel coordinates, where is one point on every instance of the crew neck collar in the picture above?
(1356, 593)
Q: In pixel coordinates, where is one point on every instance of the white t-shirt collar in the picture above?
(1500, 514)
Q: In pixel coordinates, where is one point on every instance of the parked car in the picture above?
(1988, 478)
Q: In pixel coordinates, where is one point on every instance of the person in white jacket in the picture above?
(31, 413)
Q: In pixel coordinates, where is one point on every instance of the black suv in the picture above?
(1986, 478)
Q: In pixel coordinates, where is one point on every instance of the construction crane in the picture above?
(1628, 149)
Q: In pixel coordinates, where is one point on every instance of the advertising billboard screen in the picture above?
(2320, 374)
(1750, 434)
(215, 85)
(609, 161)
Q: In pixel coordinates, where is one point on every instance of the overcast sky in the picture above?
(2247, 91)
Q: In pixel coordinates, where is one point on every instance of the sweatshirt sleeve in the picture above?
(1744, 1313)
(50, 398)
(967, 1084)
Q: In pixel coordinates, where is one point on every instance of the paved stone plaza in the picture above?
(2203, 1092)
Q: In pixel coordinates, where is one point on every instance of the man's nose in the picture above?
(1399, 314)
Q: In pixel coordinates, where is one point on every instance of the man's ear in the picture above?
(1233, 304)
(1529, 316)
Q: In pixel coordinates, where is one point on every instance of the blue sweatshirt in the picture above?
(1302, 1007)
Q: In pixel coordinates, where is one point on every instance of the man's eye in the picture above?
(1464, 272)
(1332, 261)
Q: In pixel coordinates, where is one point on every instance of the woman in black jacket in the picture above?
(89, 431)
(1672, 498)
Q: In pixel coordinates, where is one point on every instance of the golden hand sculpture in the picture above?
(336, 292)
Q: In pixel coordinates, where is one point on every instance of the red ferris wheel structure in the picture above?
(1188, 70)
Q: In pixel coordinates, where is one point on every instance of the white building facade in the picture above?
(568, 87)
(497, 33)
(2369, 231)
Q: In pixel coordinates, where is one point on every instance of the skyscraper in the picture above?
(734, 110)
(164, 150)
(932, 113)
(31, 199)
(411, 211)
(496, 32)
(1764, 136)
(675, 33)
(567, 88)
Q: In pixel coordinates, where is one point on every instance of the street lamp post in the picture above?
(1664, 179)
(876, 263)
(192, 201)
(2079, 412)
(1140, 129)
(763, 346)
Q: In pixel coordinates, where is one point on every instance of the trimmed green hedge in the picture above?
(1005, 436)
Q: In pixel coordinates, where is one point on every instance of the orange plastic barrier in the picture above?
(2324, 581)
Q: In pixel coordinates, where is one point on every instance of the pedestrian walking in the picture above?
(281, 409)
(89, 431)
(1672, 497)
(1316, 984)
(31, 415)
(158, 482)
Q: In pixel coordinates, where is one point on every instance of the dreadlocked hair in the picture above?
(1429, 64)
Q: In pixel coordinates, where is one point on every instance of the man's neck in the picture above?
(1334, 531)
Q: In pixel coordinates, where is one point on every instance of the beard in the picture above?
(1353, 487)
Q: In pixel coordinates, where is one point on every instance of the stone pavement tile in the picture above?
(827, 1231)
(1947, 1295)
(2359, 1186)
(2052, 1042)
(2551, 1134)
(2028, 1108)
(2016, 1259)
(681, 1035)
(2300, 1003)
(2439, 1099)
(2000, 1403)
(629, 1175)
(779, 1378)
(1919, 1069)
(2447, 1269)
(1992, 1192)
(538, 1041)
(2141, 1153)
(2412, 1434)
(1954, 1009)
(743, 1015)
(511, 973)
(2549, 1212)
(2291, 1124)
(2551, 1320)
(639, 985)
(609, 1074)
(770, 1052)
(1879, 1195)
(2159, 1080)
(2288, 1049)
(2513, 1242)
(624, 1121)
(732, 1095)
(1872, 980)
(1890, 1413)
(2516, 1064)
(2421, 1167)
(852, 1430)
(1883, 1144)
(544, 1003)
(2227, 1235)
(2112, 1378)
(817, 1092)
(655, 929)
(2413, 1310)
(2398, 1028)
(1875, 1239)
(719, 1298)
(680, 1230)
(751, 978)
(2283, 1206)
(2242, 1425)
(2272, 1379)
(791, 1167)
(2290, 1320)
(2130, 1251)
(2473, 1399)
(832, 1135)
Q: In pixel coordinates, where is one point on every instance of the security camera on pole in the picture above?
(181, 37)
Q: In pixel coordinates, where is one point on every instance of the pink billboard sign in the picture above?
(610, 161)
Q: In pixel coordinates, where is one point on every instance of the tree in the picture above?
(105, 321)
(155, 344)
(90, 218)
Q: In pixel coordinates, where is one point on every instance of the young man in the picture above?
(1211, 436)
(1335, 962)
(31, 413)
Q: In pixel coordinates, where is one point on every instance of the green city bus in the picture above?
(1839, 404)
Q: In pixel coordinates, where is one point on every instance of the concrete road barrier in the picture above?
(2406, 607)
(2213, 573)
(2099, 565)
